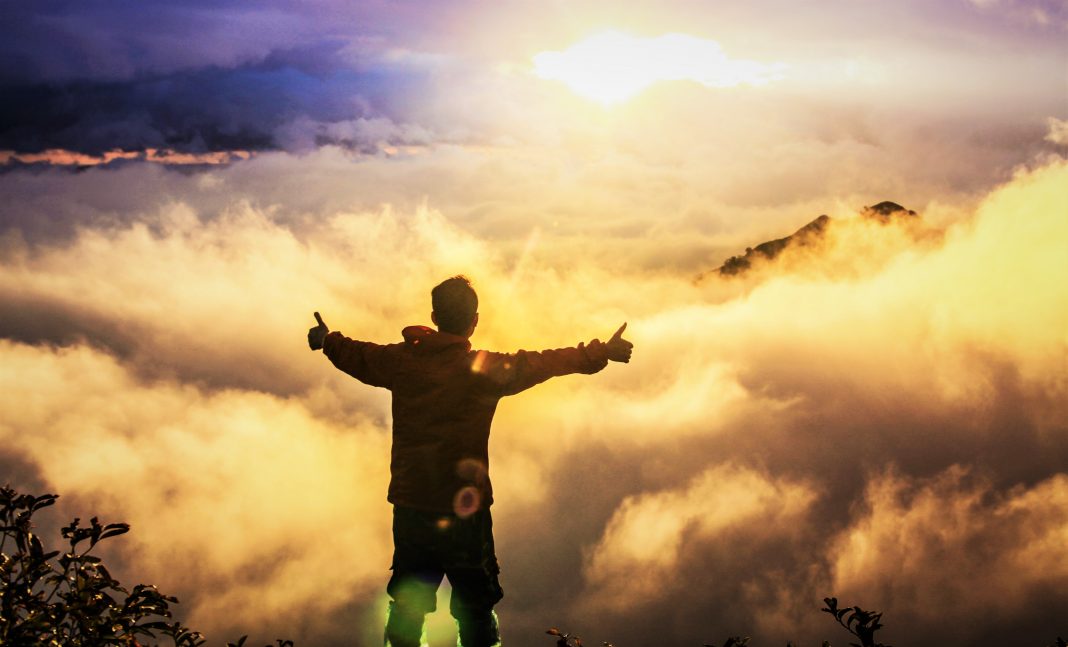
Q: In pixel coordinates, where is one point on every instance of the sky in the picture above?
(878, 416)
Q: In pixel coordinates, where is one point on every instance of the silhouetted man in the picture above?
(444, 397)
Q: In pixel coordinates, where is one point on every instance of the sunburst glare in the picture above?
(612, 67)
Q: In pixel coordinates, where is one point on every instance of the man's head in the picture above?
(455, 306)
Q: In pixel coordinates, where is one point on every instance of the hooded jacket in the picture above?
(444, 398)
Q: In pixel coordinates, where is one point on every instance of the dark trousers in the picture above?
(428, 546)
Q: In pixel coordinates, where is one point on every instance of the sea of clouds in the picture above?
(881, 417)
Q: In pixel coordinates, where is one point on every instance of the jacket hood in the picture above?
(430, 340)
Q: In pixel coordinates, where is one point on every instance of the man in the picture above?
(444, 397)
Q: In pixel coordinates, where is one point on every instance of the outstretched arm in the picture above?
(369, 363)
(518, 372)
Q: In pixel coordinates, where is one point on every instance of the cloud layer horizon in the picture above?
(881, 419)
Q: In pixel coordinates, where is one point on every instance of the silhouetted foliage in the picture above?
(49, 598)
(241, 643)
(857, 621)
(862, 624)
(565, 639)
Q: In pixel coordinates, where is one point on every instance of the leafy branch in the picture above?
(49, 598)
(862, 624)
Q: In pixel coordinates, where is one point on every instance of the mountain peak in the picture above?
(886, 210)
(814, 231)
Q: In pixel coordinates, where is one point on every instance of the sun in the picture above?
(612, 66)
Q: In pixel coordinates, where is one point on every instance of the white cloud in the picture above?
(1036, 12)
(951, 548)
(1058, 131)
(641, 550)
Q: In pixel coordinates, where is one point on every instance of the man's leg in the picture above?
(414, 596)
(473, 572)
(477, 627)
(415, 580)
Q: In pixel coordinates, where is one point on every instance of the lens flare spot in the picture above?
(466, 502)
(472, 470)
(478, 364)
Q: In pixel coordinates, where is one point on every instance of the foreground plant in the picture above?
(862, 624)
(565, 639)
(71, 599)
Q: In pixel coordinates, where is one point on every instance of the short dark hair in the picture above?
(455, 304)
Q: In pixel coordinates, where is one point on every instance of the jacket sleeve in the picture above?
(369, 363)
(516, 372)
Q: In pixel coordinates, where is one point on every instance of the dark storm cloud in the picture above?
(90, 78)
(198, 111)
(60, 42)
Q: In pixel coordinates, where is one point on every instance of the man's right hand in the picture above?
(317, 334)
(619, 349)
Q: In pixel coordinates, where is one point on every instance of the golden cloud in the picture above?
(951, 548)
(639, 553)
(155, 371)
